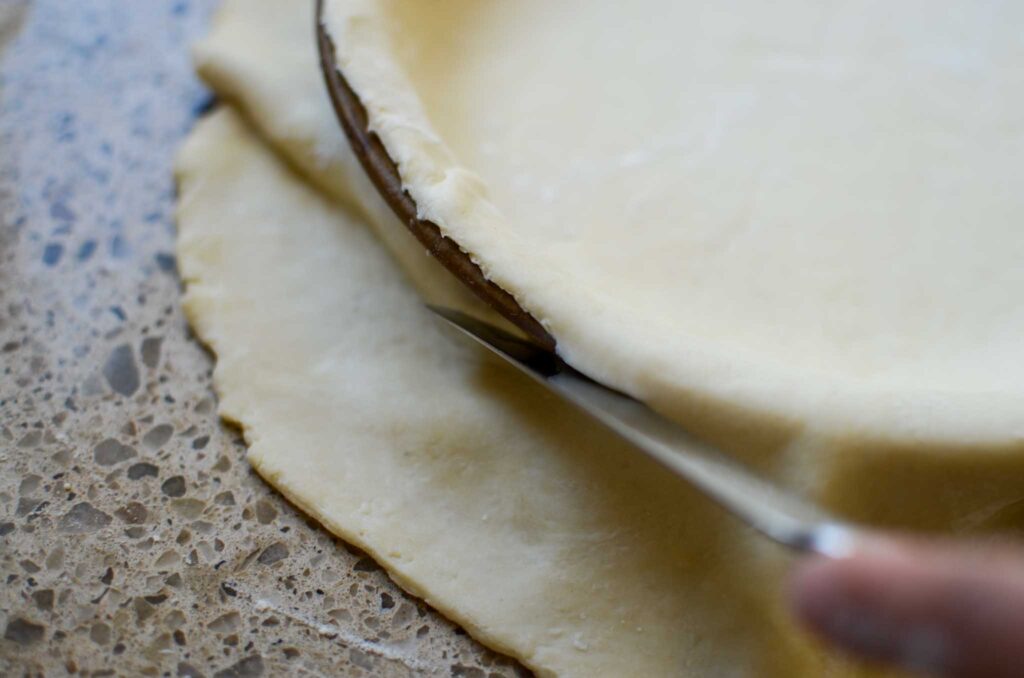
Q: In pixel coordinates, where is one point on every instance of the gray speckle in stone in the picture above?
(43, 599)
(100, 633)
(92, 385)
(166, 262)
(142, 469)
(7, 528)
(157, 436)
(200, 442)
(121, 372)
(150, 351)
(265, 512)
(250, 667)
(225, 498)
(366, 564)
(59, 210)
(143, 609)
(24, 632)
(188, 507)
(111, 451)
(273, 553)
(29, 484)
(55, 559)
(174, 486)
(225, 623)
(119, 248)
(167, 560)
(30, 439)
(27, 505)
(52, 253)
(463, 671)
(86, 250)
(186, 670)
(83, 518)
(175, 619)
(360, 658)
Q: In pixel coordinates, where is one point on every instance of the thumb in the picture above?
(943, 608)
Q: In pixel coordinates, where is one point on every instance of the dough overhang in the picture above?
(496, 505)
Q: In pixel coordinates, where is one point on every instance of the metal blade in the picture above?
(769, 510)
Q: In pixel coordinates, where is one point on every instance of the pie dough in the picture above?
(810, 211)
(492, 500)
(495, 503)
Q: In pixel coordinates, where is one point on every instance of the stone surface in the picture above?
(134, 537)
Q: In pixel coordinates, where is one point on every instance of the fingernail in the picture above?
(857, 608)
(835, 541)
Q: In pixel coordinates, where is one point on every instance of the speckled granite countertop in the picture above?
(134, 538)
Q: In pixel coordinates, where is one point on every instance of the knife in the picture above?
(774, 513)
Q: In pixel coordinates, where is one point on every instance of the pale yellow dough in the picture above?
(498, 505)
(808, 210)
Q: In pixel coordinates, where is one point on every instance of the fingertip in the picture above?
(845, 603)
(950, 608)
(811, 590)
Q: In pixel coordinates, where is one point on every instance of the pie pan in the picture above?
(383, 172)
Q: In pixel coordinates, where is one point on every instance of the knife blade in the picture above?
(769, 510)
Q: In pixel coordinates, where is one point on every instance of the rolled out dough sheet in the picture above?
(476, 491)
(494, 502)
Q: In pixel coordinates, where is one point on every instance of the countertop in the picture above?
(134, 537)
